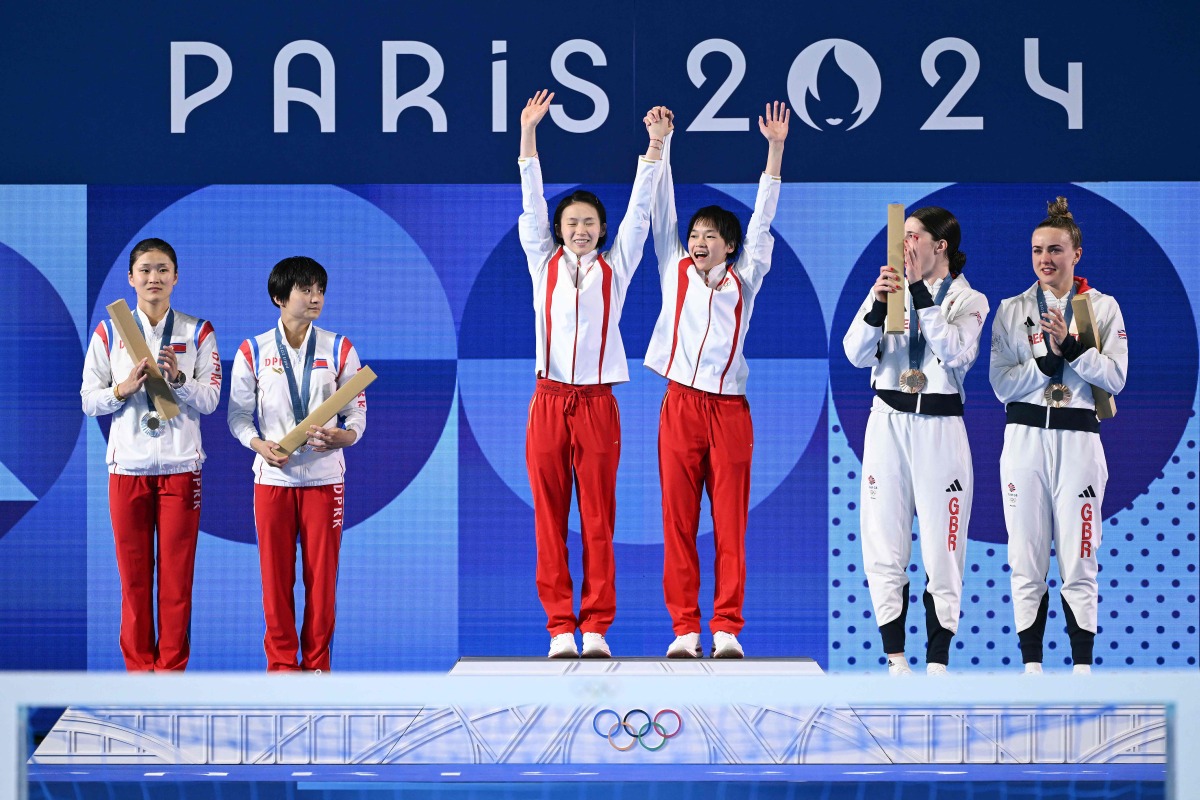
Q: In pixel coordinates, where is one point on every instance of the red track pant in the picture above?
(574, 429)
(150, 510)
(312, 517)
(704, 440)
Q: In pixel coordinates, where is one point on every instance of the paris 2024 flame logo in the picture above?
(850, 69)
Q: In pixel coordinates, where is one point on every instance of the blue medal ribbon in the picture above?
(299, 394)
(916, 342)
(166, 337)
(1043, 308)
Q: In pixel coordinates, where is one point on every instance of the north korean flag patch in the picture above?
(179, 347)
(320, 363)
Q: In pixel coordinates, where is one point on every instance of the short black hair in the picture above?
(581, 196)
(725, 222)
(149, 246)
(292, 272)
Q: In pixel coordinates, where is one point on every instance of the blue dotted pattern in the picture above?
(1149, 580)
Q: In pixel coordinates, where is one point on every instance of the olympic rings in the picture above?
(638, 736)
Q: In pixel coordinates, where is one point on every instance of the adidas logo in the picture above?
(957, 487)
(1088, 492)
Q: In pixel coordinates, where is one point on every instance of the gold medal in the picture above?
(1057, 395)
(912, 381)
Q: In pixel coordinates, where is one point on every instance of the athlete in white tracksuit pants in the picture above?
(1052, 469)
(915, 455)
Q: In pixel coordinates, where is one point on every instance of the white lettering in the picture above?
(499, 88)
(420, 97)
(183, 104)
(322, 103)
(940, 119)
(558, 68)
(707, 119)
(1071, 99)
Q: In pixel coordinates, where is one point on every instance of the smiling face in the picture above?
(1054, 259)
(706, 246)
(153, 276)
(580, 228)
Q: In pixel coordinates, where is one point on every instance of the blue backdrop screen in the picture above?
(437, 560)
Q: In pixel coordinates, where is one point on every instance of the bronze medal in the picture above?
(1057, 395)
(912, 381)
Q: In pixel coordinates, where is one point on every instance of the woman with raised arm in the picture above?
(705, 436)
(1052, 469)
(574, 427)
(916, 457)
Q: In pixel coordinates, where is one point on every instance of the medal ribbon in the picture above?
(299, 406)
(166, 337)
(916, 342)
(1043, 308)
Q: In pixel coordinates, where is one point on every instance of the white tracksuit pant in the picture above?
(915, 462)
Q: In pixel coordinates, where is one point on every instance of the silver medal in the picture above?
(152, 424)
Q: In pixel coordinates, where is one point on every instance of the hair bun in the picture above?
(958, 261)
(1058, 208)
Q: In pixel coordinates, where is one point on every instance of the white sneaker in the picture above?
(898, 668)
(686, 646)
(936, 670)
(726, 645)
(1082, 669)
(594, 646)
(563, 646)
(1033, 668)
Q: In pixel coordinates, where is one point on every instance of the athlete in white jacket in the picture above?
(915, 453)
(282, 375)
(574, 428)
(154, 465)
(1052, 470)
(705, 435)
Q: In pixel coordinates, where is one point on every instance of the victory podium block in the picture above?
(609, 720)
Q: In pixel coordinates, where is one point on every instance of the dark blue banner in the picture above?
(421, 93)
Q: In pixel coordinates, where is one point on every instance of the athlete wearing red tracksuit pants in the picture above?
(1052, 470)
(154, 464)
(705, 436)
(282, 375)
(574, 427)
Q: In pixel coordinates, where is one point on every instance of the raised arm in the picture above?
(627, 245)
(755, 260)
(534, 224)
(663, 219)
(774, 126)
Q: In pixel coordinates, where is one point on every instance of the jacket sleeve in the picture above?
(202, 389)
(1106, 368)
(627, 245)
(1012, 372)
(98, 382)
(243, 396)
(862, 340)
(954, 336)
(755, 259)
(663, 218)
(354, 412)
(533, 225)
